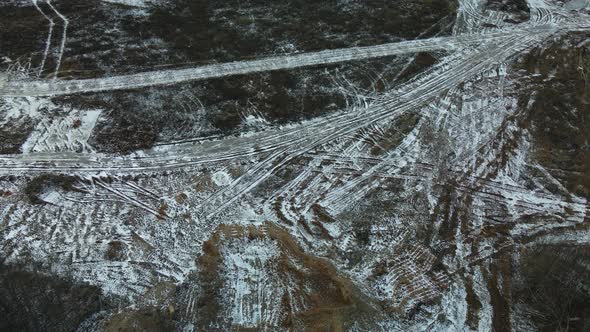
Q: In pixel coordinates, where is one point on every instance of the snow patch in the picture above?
(221, 178)
(247, 266)
(67, 133)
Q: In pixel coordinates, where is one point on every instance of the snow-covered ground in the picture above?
(399, 193)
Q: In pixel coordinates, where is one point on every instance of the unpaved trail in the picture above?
(293, 141)
(173, 76)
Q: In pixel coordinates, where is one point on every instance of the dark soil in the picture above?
(518, 8)
(95, 42)
(329, 302)
(555, 285)
(116, 251)
(136, 119)
(231, 29)
(560, 113)
(31, 301)
(38, 185)
(125, 134)
(143, 320)
(511, 6)
(14, 134)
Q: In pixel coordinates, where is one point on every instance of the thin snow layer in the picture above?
(161, 221)
(248, 273)
(30, 107)
(577, 4)
(255, 121)
(454, 308)
(56, 129)
(131, 3)
(485, 313)
(81, 226)
(68, 132)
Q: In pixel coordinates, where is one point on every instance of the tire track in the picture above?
(189, 154)
(466, 67)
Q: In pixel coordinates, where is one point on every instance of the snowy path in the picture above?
(173, 76)
(293, 141)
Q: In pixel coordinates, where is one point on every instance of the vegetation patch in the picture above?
(14, 134)
(230, 29)
(518, 9)
(43, 183)
(554, 286)
(148, 320)
(395, 134)
(33, 301)
(558, 93)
